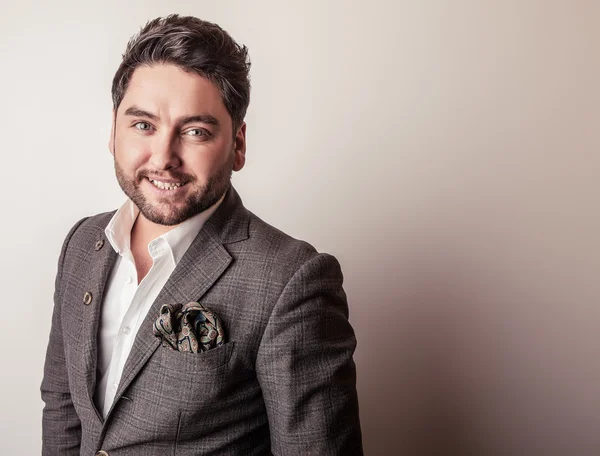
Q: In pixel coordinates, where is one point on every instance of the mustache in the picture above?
(180, 177)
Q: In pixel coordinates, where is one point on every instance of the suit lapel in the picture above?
(101, 261)
(201, 266)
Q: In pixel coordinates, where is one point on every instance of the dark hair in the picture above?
(195, 46)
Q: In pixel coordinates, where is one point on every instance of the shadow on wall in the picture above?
(409, 400)
(475, 346)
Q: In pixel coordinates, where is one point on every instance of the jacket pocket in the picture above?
(195, 363)
(172, 385)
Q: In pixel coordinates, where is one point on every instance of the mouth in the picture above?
(166, 185)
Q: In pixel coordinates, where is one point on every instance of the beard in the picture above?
(198, 198)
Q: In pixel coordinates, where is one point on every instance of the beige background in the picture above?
(445, 151)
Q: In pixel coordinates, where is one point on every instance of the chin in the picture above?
(167, 217)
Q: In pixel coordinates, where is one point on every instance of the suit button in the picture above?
(87, 298)
(99, 244)
(102, 453)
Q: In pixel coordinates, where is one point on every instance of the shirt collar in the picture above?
(179, 239)
(118, 230)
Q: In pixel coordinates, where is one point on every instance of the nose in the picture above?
(165, 154)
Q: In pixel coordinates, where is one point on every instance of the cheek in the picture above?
(130, 154)
(201, 165)
(206, 161)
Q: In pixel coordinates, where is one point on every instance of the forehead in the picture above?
(171, 92)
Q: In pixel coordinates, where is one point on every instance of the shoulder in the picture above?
(283, 254)
(95, 222)
(81, 238)
(88, 230)
(255, 242)
(269, 238)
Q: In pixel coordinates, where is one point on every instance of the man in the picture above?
(121, 380)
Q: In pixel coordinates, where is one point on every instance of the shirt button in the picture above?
(115, 386)
(126, 330)
(128, 280)
(101, 453)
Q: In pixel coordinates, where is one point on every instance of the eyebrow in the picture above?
(202, 118)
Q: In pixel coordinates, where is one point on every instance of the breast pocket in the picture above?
(173, 385)
(175, 381)
(196, 363)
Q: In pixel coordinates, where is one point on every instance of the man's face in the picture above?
(173, 145)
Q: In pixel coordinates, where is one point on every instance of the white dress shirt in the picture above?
(126, 303)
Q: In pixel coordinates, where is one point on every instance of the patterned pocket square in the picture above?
(190, 328)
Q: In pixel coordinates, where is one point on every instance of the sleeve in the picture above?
(61, 428)
(305, 366)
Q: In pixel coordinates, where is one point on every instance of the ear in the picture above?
(111, 140)
(240, 148)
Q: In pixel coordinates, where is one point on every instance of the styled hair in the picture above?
(196, 46)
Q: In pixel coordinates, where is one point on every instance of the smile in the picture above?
(165, 185)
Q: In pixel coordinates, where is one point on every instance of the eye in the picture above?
(144, 126)
(196, 132)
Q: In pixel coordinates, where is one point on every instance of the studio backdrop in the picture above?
(445, 152)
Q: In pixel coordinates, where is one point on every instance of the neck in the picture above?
(145, 230)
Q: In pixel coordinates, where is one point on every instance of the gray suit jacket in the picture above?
(283, 384)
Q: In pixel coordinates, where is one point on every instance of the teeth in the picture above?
(165, 185)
